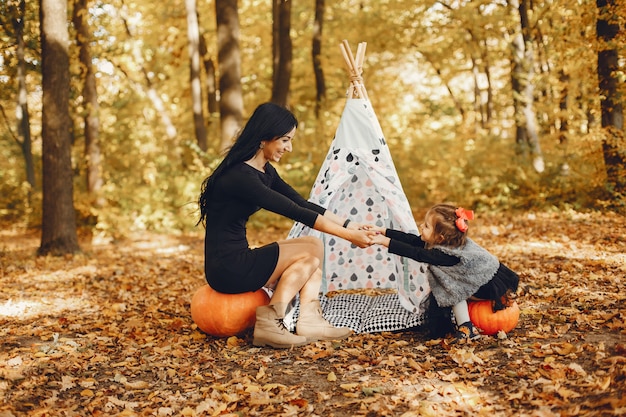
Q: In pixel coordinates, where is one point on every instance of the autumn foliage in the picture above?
(110, 332)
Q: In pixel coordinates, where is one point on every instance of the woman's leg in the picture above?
(297, 270)
(298, 260)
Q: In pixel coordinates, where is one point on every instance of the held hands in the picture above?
(367, 234)
(372, 228)
(362, 238)
(356, 226)
(380, 239)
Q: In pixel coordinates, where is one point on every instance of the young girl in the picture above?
(459, 269)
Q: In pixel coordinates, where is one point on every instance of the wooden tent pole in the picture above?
(355, 68)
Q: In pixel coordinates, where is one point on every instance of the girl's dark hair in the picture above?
(268, 122)
(444, 225)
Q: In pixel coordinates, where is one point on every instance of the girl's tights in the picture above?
(461, 312)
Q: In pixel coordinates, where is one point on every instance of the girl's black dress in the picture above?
(230, 265)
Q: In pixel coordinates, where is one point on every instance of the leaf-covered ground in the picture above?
(109, 333)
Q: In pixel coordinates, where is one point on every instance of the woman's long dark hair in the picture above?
(268, 122)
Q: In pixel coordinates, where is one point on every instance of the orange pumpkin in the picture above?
(490, 322)
(220, 314)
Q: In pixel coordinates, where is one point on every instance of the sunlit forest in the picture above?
(112, 113)
(480, 104)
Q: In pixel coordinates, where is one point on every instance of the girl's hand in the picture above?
(380, 239)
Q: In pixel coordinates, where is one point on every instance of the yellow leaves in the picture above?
(465, 357)
(261, 374)
(136, 385)
(86, 393)
(234, 341)
(603, 383)
(131, 348)
(413, 364)
(564, 349)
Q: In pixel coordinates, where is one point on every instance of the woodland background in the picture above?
(114, 112)
(495, 105)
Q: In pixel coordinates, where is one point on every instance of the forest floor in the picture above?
(109, 333)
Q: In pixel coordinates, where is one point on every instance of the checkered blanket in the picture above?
(363, 313)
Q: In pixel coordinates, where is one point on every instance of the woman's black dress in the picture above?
(230, 265)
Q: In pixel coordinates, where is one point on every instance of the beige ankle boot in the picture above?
(270, 330)
(314, 326)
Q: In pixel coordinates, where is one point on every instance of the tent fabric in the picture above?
(358, 180)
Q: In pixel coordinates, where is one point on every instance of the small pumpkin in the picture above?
(490, 322)
(221, 315)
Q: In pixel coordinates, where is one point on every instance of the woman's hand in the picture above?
(361, 238)
(355, 226)
(372, 228)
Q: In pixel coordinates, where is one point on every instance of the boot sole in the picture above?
(263, 342)
(322, 338)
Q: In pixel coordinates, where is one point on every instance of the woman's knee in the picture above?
(316, 245)
(307, 261)
(302, 246)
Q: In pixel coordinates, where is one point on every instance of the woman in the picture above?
(243, 183)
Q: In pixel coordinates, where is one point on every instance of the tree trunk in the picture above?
(23, 116)
(282, 52)
(613, 148)
(478, 102)
(526, 136)
(58, 228)
(563, 110)
(149, 88)
(316, 52)
(229, 66)
(93, 154)
(457, 103)
(487, 72)
(209, 73)
(193, 35)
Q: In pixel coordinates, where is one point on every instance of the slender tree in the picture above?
(611, 103)
(281, 51)
(58, 227)
(92, 152)
(526, 136)
(316, 52)
(18, 17)
(149, 88)
(229, 68)
(209, 77)
(193, 39)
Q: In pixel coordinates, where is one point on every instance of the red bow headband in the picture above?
(462, 217)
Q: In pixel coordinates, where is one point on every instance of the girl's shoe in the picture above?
(466, 332)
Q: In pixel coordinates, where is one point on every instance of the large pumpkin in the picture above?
(490, 322)
(220, 314)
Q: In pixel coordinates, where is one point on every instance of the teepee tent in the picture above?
(358, 180)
